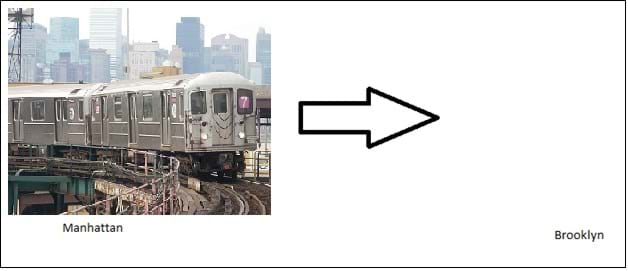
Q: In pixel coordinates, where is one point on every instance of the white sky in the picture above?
(157, 20)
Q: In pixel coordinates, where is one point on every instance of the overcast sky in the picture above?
(157, 20)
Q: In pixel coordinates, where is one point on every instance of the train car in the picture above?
(206, 120)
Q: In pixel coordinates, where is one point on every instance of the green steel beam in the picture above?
(40, 179)
(54, 184)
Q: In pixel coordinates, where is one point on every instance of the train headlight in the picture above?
(241, 135)
(203, 136)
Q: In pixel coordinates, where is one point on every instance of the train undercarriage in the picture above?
(226, 163)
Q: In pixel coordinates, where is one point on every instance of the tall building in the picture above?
(262, 54)
(255, 72)
(143, 57)
(30, 71)
(63, 38)
(60, 68)
(33, 53)
(84, 51)
(84, 56)
(207, 59)
(190, 38)
(222, 59)
(99, 62)
(105, 32)
(229, 45)
(176, 57)
(64, 70)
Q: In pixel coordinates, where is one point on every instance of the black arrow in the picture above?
(431, 117)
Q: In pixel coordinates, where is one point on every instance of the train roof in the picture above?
(49, 90)
(168, 82)
(203, 80)
(218, 79)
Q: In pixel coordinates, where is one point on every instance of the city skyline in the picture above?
(105, 28)
(161, 26)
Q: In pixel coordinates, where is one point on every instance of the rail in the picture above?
(258, 165)
(164, 186)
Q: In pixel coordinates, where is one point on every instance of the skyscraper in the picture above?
(99, 66)
(63, 38)
(33, 52)
(207, 59)
(105, 32)
(190, 38)
(59, 70)
(222, 59)
(229, 46)
(142, 58)
(63, 70)
(84, 56)
(255, 72)
(262, 54)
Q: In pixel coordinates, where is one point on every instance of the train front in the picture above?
(221, 119)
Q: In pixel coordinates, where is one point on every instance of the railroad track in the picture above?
(208, 195)
(226, 196)
(258, 194)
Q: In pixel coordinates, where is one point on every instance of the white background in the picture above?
(531, 140)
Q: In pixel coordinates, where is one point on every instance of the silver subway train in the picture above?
(207, 120)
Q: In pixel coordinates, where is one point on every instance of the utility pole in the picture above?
(128, 46)
(18, 17)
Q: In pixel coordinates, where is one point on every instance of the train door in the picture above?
(104, 121)
(222, 130)
(132, 118)
(96, 130)
(61, 120)
(165, 117)
(177, 128)
(88, 121)
(18, 122)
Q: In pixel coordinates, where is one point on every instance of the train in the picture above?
(206, 120)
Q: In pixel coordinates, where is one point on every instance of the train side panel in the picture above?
(38, 128)
(118, 120)
(76, 122)
(177, 121)
(148, 120)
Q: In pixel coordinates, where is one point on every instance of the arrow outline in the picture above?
(432, 117)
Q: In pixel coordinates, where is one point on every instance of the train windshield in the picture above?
(245, 101)
(198, 102)
(220, 103)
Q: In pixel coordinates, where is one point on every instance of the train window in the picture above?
(198, 102)
(117, 107)
(220, 103)
(133, 107)
(173, 107)
(164, 105)
(80, 109)
(180, 101)
(147, 102)
(58, 110)
(104, 107)
(70, 109)
(16, 110)
(65, 110)
(95, 108)
(245, 101)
